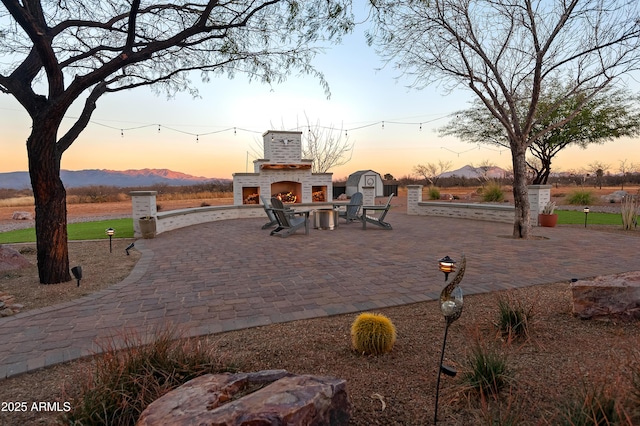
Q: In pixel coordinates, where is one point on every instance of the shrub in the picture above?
(549, 208)
(373, 334)
(513, 318)
(592, 407)
(492, 192)
(434, 193)
(580, 197)
(124, 382)
(488, 372)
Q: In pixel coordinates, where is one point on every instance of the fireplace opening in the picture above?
(287, 191)
(250, 195)
(319, 193)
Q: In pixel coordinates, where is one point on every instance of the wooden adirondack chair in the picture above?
(289, 220)
(268, 210)
(376, 220)
(352, 213)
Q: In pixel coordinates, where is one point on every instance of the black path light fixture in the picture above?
(129, 247)
(77, 273)
(451, 306)
(110, 232)
(586, 213)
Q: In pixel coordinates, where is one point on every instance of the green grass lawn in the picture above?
(76, 231)
(569, 217)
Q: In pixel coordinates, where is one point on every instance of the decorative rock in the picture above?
(6, 312)
(615, 197)
(608, 296)
(10, 259)
(285, 400)
(22, 216)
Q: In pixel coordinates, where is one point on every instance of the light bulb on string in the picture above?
(197, 138)
(122, 133)
(420, 126)
(383, 125)
(234, 131)
(158, 128)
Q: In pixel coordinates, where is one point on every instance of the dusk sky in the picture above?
(188, 135)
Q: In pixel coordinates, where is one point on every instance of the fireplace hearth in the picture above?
(283, 173)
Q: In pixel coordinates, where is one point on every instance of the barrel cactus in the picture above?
(373, 334)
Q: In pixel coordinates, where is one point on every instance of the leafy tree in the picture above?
(57, 54)
(506, 52)
(610, 114)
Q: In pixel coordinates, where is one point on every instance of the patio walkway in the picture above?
(229, 275)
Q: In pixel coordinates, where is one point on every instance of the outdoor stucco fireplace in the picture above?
(283, 173)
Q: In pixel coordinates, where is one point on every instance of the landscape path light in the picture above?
(446, 265)
(77, 273)
(451, 303)
(586, 213)
(110, 232)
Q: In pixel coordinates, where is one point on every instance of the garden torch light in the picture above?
(110, 232)
(586, 213)
(451, 306)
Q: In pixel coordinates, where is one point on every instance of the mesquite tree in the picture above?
(505, 52)
(610, 114)
(59, 53)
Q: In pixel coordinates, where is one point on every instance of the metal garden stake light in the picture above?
(110, 232)
(451, 307)
(586, 213)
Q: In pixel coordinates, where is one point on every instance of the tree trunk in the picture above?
(50, 203)
(521, 223)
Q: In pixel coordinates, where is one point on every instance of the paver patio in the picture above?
(229, 275)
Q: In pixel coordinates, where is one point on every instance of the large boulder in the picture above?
(608, 296)
(272, 397)
(21, 216)
(11, 259)
(615, 197)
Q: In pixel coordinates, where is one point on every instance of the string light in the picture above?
(237, 129)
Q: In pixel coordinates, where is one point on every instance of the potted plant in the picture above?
(147, 226)
(547, 217)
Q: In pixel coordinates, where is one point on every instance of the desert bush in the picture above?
(492, 192)
(372, 334)
(17, 201)
(488, 372)
(94, 194)
(6, 193)
(434, 193)
(592, 406)
(580, 197)
(514, 318)
(130, 374)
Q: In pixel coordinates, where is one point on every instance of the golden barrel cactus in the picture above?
(372, 334)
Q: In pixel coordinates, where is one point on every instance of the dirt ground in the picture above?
(562, 358)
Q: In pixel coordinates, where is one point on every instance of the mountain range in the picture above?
(471, 172)
(122, 179)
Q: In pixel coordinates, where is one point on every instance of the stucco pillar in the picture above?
(539, 196)
(414, 196)
(143, 204)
